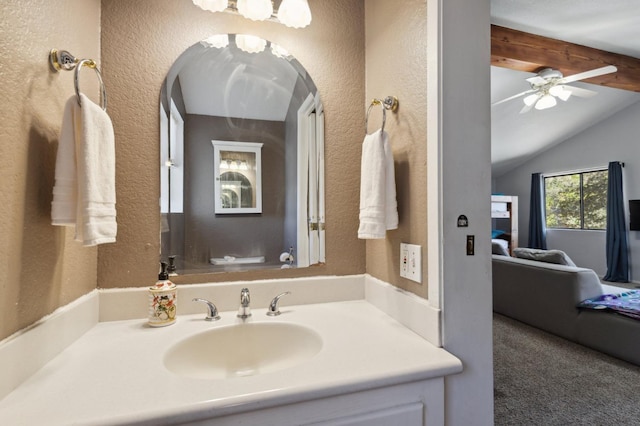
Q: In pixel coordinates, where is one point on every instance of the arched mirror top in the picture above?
(217, 76)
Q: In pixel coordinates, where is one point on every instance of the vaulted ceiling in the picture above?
(572, 36)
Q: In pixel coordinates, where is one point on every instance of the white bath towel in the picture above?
(378, 205)
(84, 194)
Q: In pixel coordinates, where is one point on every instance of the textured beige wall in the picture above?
(42, 267)
(396, 63)
(140, 41)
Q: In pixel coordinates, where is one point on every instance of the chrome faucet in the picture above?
(244, 311)
(273, 309)
(212, 314)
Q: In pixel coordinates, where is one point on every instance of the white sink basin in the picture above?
(242, 350)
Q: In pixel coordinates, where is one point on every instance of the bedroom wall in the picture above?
(615, 138)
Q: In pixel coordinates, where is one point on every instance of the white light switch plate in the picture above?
(411, 262)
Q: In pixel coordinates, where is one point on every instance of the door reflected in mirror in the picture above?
(237, 168)
(221, 196)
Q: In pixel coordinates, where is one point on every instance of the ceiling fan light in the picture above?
(531, 99)
(294, 13)
(256, 10)
(560, 92)
(212, 5)
(547, 101)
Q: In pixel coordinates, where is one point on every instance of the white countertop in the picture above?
(114, 374)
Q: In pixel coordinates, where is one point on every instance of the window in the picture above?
(577, 200)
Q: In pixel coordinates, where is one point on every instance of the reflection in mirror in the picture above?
(228, 204)
(237, 168)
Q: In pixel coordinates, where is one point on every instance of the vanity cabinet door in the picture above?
(406, 415)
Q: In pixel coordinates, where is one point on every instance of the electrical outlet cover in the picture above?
(411, 262)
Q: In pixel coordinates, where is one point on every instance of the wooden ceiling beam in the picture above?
(522, 51)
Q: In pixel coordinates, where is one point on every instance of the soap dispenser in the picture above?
(163, 298)
(172, 267)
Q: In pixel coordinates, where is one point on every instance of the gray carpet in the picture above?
(541, 379)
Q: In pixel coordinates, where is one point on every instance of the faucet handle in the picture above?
(212, 314)
(245, 297)
(273, 306)
(244, 311)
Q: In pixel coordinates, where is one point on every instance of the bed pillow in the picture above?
(495, 233)
(549, 256)
(497, 248)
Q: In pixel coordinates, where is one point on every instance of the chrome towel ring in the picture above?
(388, 103)
(63, 60)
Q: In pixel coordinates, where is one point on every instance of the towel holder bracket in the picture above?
(388, 103)
(63, 60)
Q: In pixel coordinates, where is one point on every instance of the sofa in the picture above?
(546, 295)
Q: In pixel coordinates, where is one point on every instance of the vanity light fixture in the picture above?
(279, 51)
(250, 44)
(212, 5)
(292, 13)
(234, 165)
(256, 10)
(219, 41)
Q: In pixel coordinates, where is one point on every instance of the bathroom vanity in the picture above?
(335, 359)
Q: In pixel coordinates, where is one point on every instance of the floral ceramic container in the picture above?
(163, 298)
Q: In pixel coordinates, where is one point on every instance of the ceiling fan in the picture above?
(550, 84)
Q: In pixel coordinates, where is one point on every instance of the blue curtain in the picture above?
(537, 228)
(617, 257)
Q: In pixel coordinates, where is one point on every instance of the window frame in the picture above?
(581, 173)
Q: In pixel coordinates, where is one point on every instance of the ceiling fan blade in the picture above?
(527, 108)
(589, 74)
(580, 92)
(513, 97)
(536, 80)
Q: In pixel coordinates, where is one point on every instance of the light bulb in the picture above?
(256, 10)
(294, 13)
(279, 51)
(250, 44)
(219, 41)
(211, 5)
(547, 101)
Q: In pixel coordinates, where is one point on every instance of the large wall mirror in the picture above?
(236, 89)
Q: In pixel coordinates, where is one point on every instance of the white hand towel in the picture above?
(65, 191)
(92, 164)
(378, 205)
